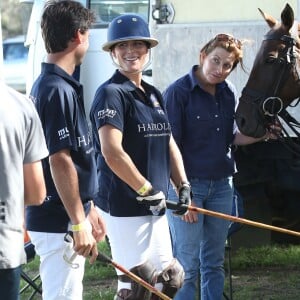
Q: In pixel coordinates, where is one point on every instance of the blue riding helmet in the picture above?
(128, 27)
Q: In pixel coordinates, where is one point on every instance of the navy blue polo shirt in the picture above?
(203, 126)
(58, 98)
(146, 137)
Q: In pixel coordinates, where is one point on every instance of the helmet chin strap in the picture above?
(146, 65)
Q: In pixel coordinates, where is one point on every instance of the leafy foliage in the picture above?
(12, 14)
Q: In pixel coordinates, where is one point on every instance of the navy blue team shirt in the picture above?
(58, 98)
(203, 126)
(146, 136)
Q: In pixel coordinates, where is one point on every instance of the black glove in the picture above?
(184, 197)
(155, 201)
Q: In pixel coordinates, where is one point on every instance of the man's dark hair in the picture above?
(60, 22)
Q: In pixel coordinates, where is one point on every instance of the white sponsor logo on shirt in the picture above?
(110, 113)
(82, 141)
(63, 133)
(154, 127)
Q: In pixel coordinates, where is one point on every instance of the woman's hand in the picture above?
(190, 216)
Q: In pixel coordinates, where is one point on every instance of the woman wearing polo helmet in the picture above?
(136, 155)
(128, 28)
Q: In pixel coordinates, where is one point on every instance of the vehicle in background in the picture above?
(15, 56)
(1, 51)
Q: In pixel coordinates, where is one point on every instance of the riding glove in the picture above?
(184, 197)
(155, 201)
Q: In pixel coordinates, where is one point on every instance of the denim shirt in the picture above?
(202, 125)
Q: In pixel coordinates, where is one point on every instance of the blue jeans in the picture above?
(10, 283)
(201, 245)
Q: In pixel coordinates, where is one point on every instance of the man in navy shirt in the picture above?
(70, 170)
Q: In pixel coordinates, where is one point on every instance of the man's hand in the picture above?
(184, 197)
(155, 200)
(98, 225)
(85, 244)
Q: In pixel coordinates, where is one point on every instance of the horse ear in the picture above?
(269, 19)
(287, 16)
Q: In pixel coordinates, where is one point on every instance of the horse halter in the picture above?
(273, 105)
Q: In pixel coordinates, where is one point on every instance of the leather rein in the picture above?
(272, 107)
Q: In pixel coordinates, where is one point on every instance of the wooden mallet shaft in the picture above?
(174, 205)
(102, 257)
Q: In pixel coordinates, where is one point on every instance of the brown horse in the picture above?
(273, 81)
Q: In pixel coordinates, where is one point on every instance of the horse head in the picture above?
(273, 82)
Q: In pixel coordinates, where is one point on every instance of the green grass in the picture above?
(268, 272)
(266, 256)
(100, 278)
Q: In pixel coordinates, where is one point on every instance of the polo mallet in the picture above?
(104, 258)
(174, 205)
(69, 254)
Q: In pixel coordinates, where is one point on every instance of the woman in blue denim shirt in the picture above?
(201, 108)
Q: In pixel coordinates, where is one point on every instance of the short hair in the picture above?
(60, 22)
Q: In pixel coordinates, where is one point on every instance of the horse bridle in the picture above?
(273, 106)
(289, 60)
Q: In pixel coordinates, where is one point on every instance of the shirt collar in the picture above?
(119, 78)
(53, 68)
(194, 80)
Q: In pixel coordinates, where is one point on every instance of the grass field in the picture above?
(263, 273)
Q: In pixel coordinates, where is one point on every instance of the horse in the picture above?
(268, 171)
(273, 83)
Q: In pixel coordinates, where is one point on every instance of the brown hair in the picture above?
(60, 22)
(230, 44)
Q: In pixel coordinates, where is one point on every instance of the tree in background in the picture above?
(12, 12)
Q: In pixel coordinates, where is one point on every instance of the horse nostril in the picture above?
(242, 122)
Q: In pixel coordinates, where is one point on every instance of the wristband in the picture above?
(181, 184)
(78, 227)
(144, 189)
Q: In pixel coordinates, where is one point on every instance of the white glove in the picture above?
(155, 201)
